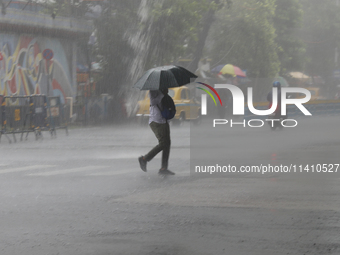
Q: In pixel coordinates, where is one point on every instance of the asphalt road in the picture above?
(84, 194)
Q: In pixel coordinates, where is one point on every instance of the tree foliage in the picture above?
(245, 36)
(287, 20)
(321, 34)
(175, 24)
(112, 48)
(265, 37)
(206, 22)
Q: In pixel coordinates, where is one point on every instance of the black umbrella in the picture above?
(162, 77)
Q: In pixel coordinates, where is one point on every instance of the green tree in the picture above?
(112, 49)
(321, 34)
(167, 30)
(287, 20)
(206, 22)
(245, 36)
(176, 25)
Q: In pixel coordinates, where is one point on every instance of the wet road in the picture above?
(84, 194)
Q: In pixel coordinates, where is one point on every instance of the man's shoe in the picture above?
(166, 172)
(142, 163)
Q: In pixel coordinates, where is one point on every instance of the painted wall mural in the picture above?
(24, 71)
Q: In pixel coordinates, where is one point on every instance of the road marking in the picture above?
(67, 171)
(24, 168)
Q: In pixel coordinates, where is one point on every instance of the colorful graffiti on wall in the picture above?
(24, 71)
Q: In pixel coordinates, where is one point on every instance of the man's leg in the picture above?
(167, 144)
(159, 131)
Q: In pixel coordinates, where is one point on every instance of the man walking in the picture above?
(161, 129)
(277, 112)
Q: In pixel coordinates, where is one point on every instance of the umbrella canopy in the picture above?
(217, 69)
(298, 75)
(282, 80)
(228, 69)
(164, 77)
(233, 70)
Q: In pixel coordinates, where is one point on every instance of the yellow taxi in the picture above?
(187, 107)
(315, 94)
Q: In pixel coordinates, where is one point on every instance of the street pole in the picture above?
(48, 77)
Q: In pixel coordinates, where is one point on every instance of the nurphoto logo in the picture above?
(239, 102)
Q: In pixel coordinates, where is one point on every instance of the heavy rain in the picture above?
(91, 164)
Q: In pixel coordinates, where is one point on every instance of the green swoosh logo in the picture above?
(208, 94)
